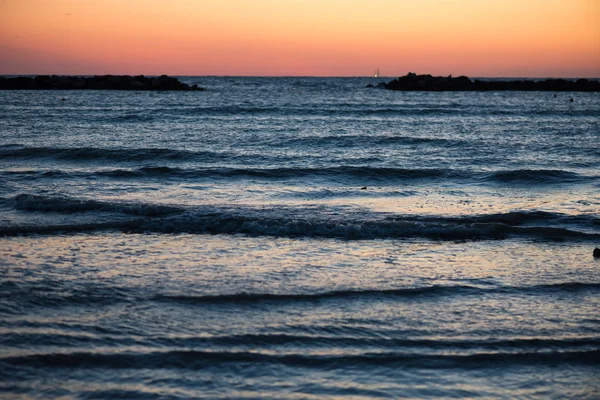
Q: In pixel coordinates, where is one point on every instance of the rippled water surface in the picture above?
(299, 238)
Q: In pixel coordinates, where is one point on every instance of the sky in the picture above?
(478, 38)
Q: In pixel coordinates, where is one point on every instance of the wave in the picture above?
(342, 294)
(223, 223)
(534, 176)
(362, 174)
(370, 174)
(512, 218)
(195, 359)
(294, 222)
(354, 110)
(39, 203)
(362, 140)
(14, 297)
(108, 154)
(423, 291)
(313, 110)
(57, 296)
(382, 342)
(72, 338)
(132, 117)
(570, 286)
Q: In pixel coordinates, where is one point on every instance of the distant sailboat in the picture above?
(374, 83)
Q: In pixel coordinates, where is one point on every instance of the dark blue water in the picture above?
(299, 238)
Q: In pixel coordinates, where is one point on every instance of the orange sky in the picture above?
(534, 38)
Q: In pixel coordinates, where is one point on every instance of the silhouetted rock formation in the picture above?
(414, 82)
(597, 252)
(103, 82)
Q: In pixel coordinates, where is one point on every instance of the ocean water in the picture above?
(299, 238)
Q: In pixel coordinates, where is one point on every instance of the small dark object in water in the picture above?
(63, 99)
(596, 253)
(363, 188)
(571, 100)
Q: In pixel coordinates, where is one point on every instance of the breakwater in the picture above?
(98, 82)
(414, 82)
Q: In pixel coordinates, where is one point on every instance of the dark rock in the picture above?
(596, 253)
(17, 83)
(414, 82)
(79, 83)
(101, 82)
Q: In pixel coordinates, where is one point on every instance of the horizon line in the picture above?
(305, 76)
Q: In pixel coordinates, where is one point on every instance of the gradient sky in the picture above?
(510, 38)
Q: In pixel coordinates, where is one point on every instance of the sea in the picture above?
(299, 238)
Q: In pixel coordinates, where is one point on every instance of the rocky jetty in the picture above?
(414, 82)
(99, 82)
